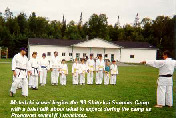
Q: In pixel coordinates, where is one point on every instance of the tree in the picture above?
(22, 22)
(54, 29)
(72, 31)
(8, 14)
(97, 26)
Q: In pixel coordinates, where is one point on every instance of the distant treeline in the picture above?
(15, 30)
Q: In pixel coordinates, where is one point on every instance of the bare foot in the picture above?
(11, 94)
(158, 106)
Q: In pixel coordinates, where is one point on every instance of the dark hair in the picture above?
(167, 52)
(63, 59)
(82, 59)
(55, 52)
(100, 55)
(34, 53)
(113, 61)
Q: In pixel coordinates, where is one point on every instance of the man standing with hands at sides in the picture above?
(20, 72)
(165, 82)
(34, 68)
(44, 67)
(75, 72)
(91, 67)
(114, 72)
(55, 68)
(100, 67)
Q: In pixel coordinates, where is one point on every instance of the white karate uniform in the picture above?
(165, 84)
(55, 65)
(44, 67)
(91, 67)
(75, 72)
(34, 68)
(20, 66)
(100, 67)
(82, 72)
(64, 72)
(114, 72)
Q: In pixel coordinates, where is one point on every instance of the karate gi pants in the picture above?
(106, 78)
(164, 95)
(33, 81)
(113, 79)
(90, 77)
(165, 91)
(19, 85)
(54, 76)
(16, 82)
(82, 79)
(63, 79)
(43, 75)
(99, 77)
(75, 78)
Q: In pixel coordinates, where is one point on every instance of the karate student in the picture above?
(91, 68)
(82, 72)
(97, 76)
(165, 82)
(100, 67)
(114, 72)
(20, 72)
(75, 72)
(107, 73)
(55, 68)
(44, 67)
(64, 72)
(34, 69)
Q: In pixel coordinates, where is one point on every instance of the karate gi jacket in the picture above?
(90, 65)
(166, 67)
(20, 65)
(55, 62)
(114, 69)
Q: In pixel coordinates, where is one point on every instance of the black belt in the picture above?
(43, 66)
(169, 75)
(35, 69)
(21, 69)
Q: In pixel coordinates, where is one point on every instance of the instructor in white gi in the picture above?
(20, 72)
(165, 82)
(91, 68)
(100, 67)
(55, 68)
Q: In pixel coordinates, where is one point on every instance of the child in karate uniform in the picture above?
(34, 71)
(75, 72)
(114, 72)
(44, 67)
(82, 72)
(107, 73)
(63, 72)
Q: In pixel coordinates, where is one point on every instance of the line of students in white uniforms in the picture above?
(22, 69)
(32, 69)
(41, 67)
(100, 67)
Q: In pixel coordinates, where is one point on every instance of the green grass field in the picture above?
(133, 83)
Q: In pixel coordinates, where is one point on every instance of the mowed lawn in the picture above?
(133, 83)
